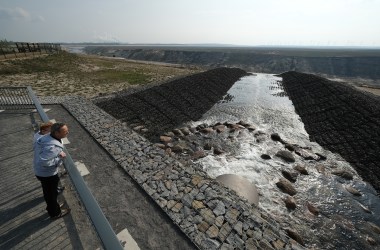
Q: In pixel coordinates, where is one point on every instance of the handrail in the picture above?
(102, 226)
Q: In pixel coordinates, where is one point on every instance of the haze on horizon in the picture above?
(241, 22)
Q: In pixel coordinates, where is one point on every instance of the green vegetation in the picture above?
(65, 73)
(132, 77)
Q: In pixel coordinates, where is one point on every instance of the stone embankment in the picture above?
(339, 118)
(166, 106)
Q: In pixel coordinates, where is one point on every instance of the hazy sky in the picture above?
(240, 22)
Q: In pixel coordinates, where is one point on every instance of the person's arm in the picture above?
(51, 156)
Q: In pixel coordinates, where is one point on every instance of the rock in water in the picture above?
(241, 186)
(290, 202)
(353, 190)
(301, 169)
(286, 186)
(291, 176)
(295, 236)
(344, 174)
(286, 155)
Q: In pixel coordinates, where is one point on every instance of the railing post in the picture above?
(1, 48)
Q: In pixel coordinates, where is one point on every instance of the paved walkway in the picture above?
(24, 223)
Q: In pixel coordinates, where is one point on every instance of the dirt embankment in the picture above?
(350, 64)
(163, 107)
(340, 118)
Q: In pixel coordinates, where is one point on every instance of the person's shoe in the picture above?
(60, 189)
(63, 213)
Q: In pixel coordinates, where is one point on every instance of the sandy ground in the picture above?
(84, 75)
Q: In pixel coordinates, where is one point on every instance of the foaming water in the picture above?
(259, 100)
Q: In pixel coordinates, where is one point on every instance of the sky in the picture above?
(236, 22)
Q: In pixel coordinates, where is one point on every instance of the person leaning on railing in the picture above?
(48, 156)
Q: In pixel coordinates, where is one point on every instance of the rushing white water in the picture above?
(258, 100)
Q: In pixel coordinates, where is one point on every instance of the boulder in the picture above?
(295, 236)
(251, 128)
(218, 151)
(243, 123)
(353, 190)
(314, 210)
(185, 130)
(236, 126)
(138, 128)
(290, 147)
(321, 169)
(165, 139)
(207, 146)
(198, 154)
(343, 173)
(290, 175)
(302, 169)
(170, 134)
(160, 145)
(241, 186)
(177, 132)
(220, 128)
(286, 186)
(266, 157)
(177, 149)
(305, 154)
(290, 202)
(286, 155)
(276, 137)
(207, 130)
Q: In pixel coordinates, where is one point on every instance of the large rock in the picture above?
(290, 202)
(290, 175)
(343, 173)
(302, 169)
(286, 155)
(241, 186)
(165, 139)
(286, 186)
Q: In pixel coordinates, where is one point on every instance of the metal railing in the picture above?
(15, 98)
(24, 97)
(21, 49)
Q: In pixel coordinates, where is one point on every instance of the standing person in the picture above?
(44, 129)
(49, 154)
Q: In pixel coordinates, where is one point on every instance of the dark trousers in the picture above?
(49, 188)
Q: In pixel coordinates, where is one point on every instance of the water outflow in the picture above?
(343, 218)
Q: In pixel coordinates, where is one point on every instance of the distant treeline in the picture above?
(20, 49)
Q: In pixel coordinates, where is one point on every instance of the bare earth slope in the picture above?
(340, 118)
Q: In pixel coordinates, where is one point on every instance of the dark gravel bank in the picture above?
(339, 118)
(162, 108)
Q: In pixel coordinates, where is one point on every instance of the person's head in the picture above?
(45, 127)
(59, 130)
